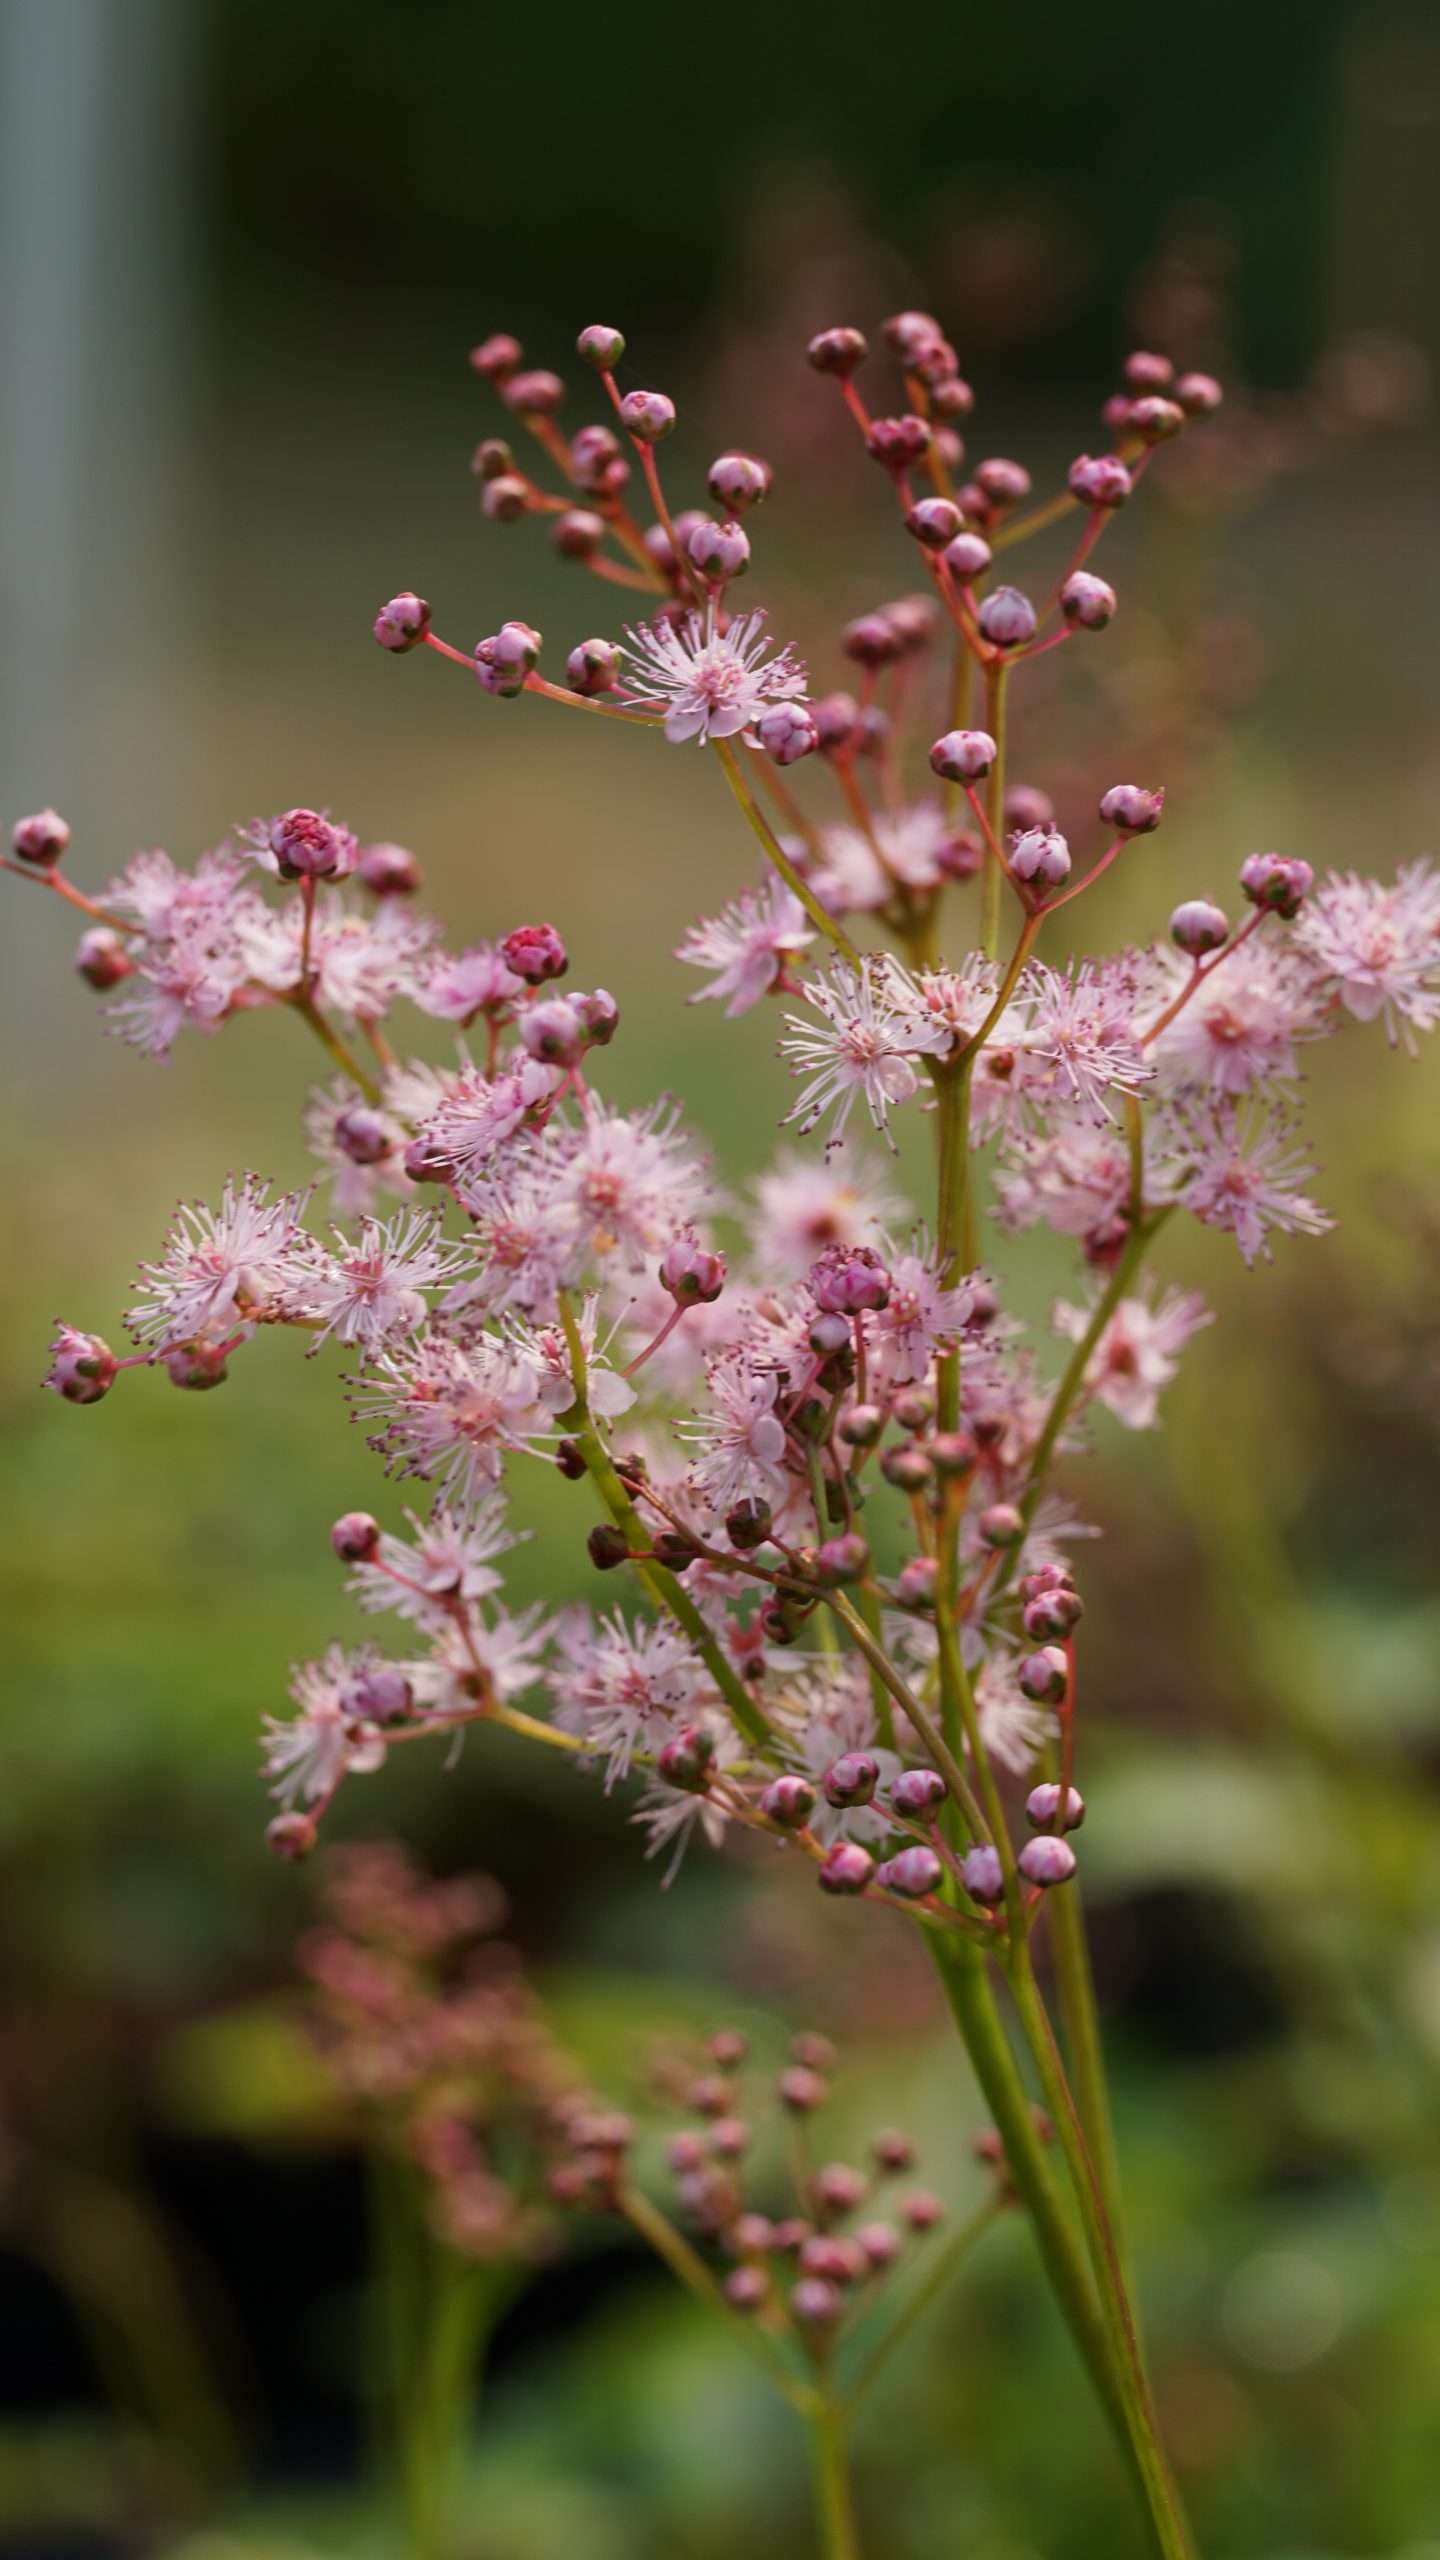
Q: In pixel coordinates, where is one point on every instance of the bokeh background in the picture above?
(244, 246)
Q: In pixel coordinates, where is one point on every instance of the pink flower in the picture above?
(1241, 1027)
(248, 1258)
(309, 1755)
(375, 1287)
(709, 683)
(749, 945)
(1137, 1354)
(875, 1024)
(802, 1208)
(1378, 945)
(741, 1439)
(623, 1687)
(1243, 1176)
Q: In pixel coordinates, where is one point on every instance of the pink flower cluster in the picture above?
(821, 1445)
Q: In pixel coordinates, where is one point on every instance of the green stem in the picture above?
(775, 853)
(1167, 2520)
(835, 2507)
(1062, 1404)
(1079, 2019)
(330, 1040)
(661, 1584)
(929, 2290)
(674, 2251)
(995, 703)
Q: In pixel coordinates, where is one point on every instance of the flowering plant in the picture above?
(829, 1471)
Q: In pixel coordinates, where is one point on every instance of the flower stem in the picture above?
(835, 2507)
(775, 852)
(1075, 1988)
(329, 1038)
(931, 2286)
(996, 688)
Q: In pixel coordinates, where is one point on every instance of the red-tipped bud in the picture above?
(963, 755)
(82, 1366)
(737, 481)
(1131, 810)
(647, 415)
(388, 871)
(850, 1280)
(837, 351)
(535, 952)
(1044, 1676)
(848, 1869)
(1279, 883)
(719, 551)
(912, 1873)
(355, 1537)
(1004, 483)
(691, 1273)
(968, 557)
(1007, 619)
(787, 731)
(852, 1779)
(307, 846)
(899, 443)
(554, 1032)
(1155, 419)
(1047, 1860)
(291, 1835)
(1087, 603)
(101, 958)
(935, 522)
(497, 356)
(402, 623)
(1197, 926)
(593, 667)
(788, 1802)
(1100, 480)
(1042, 1808)
(1041, 856)
(602, 347)
(917, 1792)
(687, 1759)
(40, 839)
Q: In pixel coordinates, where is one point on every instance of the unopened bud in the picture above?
(909, 1469)
(593, 667)
(1277, 882)
(536, 394)
(82, 1366)
(362, 1134)
(1100, 480)
(850, 1280)
(912, 1873)
(1198, 394)
(737, 481)
(504, 498)
(497, 356)
(802, 2089)
(1041, 856)
(917, 1583)
(647, 415)
(963, 755)
(935, 522)
(1001, 1526)
(1007, 619)
(841, 1560)
(1197, 927)
(355, 1537)
(1044, 1676)
(968, 557)
(719, 551)
(1042, 1807)
(1147, 372)
(1087, 603)
(1004, 483)
(861, 1426)
(982, 1875)
(837, 351)
(816, 2304)
(535, 952)
(1154, 419)
(41, 839)
(847, 1870)
(602, 347)
(692, 1275)
(553, 1032)
(787, 731)
(747, 1523)
(101, 958)
(1132, 810)
(898, 443)
(388, 871)
(1047, 1860)
(291, 1835)
(607, 1547)
(402, 623)
(917, 1792)
(687, 1759)
(922, 2210)
(578, 535)
(852, 1779)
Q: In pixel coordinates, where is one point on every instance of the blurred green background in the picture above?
(244, 245)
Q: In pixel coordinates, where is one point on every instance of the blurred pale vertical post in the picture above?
(98, 160)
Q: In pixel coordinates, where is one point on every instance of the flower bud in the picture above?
(1004, 483)
(536, 394)
(82, 1366)
(380, 1694)
(852, 1779)
(1145, 372)
(737, 481)
(592, 452)
(1042, 1807)
(1047, 1860)
(1001, 1526)
(730, 2138)
(602, 347)
(307, 847)
(570, 1459)
(361, 1134)
(917, 1792)
(402, 623)
(1197, 927)
(593, 667)
(535, 952)
(788, 1802)
(816, 2304)
(1044, 1676)
(836, 719)
(746, 2288)
(553, 1032)
(497, 356)
(747, 1523)
(917, 1582)
(1100, 480)
(837, 351)
(355, 1537)
(908, 333)
(1052, 1613)
(196, 1366)
(685, 2153)
(836, 2187)
(841, 1560)
(421, 1166)
(607, 1547)
(802, 2090)
(503, 662)
(578, 534)
(935, 522)
(1198, 394)
(848, 1869)
(861, 1426)
(914, 1407)
(922, 2210)
(1155, 419)
(982, 1875)
(871, 640)
(1087, 603)
(1041, 855)
(909, 1469)
(388, 871)
(687, 1758)
(504, 498)
(953, 1454)
(291, 1835)
(893, 2153)
(647, 415)
(1131, 810)
(729, 2047)
(493, 459)
(691, 1273)
(787, 731)
(898, 443)
(912, 1873)
(1007, 619)
(963, 755)
(849, 1280)
(1278, 882)
(101, 958)
(675, 1548)
(968, 557)
(880, 2244)
(828, 1334)
(40, 839)
(719, 551)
